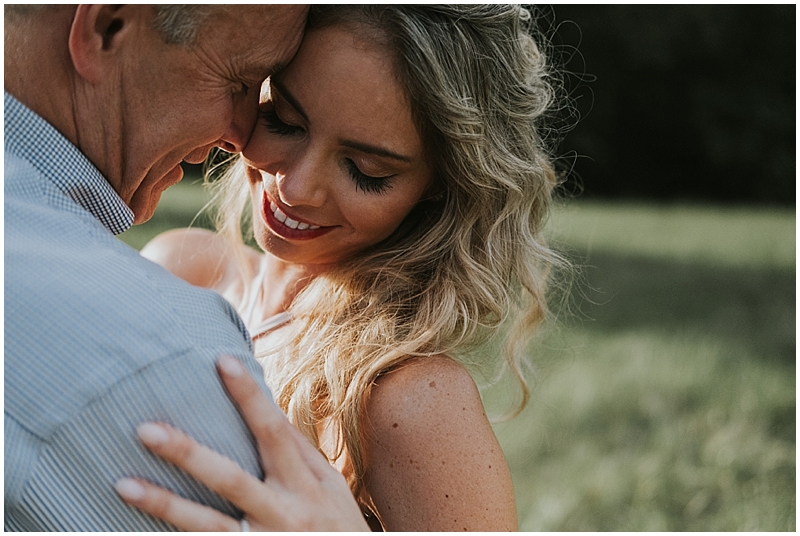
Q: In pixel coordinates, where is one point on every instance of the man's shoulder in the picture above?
(70, 277)
(89, 311)
(57, 254)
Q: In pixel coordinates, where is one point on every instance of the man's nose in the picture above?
(243, 121)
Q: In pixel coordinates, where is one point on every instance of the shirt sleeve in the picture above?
(70, 483)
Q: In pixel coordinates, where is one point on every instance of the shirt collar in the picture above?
(29, 136)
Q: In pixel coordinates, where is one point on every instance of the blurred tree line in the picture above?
(678, 101)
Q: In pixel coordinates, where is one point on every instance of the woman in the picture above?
(398, 188)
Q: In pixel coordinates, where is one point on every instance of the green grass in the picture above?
(667, 396)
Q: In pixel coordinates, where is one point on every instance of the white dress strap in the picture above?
(273, 322)
(250, 301)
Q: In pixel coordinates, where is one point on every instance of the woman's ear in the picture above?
(97, 33)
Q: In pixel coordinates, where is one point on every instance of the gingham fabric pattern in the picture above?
(56, 158)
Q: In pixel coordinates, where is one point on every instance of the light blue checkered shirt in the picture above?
(97, 341)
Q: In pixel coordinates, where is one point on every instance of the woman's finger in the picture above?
(184, 514)
(218, 473)
(273, 432)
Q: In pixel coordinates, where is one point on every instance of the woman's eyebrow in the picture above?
(363, 147)
(287, 95)
(378, 151)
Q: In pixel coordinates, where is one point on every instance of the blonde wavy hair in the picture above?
(467, 261)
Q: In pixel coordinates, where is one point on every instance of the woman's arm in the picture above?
(434, 463)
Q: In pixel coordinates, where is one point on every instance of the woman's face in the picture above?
(335, 162)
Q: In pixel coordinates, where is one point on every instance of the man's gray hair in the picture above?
(179, 24)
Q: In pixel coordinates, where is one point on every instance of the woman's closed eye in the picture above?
(368, 183)
(276, 125)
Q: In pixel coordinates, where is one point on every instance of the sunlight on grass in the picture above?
(739, 236)
(667, 394)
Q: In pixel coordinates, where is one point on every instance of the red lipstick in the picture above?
(290, 228)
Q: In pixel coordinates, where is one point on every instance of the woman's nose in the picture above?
(302, 184)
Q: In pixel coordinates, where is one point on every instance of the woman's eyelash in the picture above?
(367, 183)
(276, 125)
(364, 182)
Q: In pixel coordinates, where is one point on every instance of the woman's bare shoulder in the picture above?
(431, 450)
(422, 382)
(423, 393)
(199, 256)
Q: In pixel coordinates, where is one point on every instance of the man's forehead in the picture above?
(254, 23)
(259, 38)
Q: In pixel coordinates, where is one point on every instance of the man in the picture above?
(102, 104)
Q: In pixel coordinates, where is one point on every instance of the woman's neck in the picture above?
(282, 282)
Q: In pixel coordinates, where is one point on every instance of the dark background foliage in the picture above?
(679, 102)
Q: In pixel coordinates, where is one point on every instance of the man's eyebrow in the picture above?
(378, 151)
(286, 94)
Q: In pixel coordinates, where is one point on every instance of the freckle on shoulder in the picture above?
(428, 373)
(419, 387)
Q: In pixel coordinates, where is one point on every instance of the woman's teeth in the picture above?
(289, 222)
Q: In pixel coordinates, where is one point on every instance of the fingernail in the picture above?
(230, 366)
(152, 434)
(129, 489)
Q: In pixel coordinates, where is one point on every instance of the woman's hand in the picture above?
(301, 490)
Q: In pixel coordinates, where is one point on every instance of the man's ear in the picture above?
(97, 33)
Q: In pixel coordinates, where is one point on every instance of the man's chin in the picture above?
(142, 214)
(148, 202)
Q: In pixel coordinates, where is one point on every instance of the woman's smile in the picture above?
(283, 218)
(285, 226)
